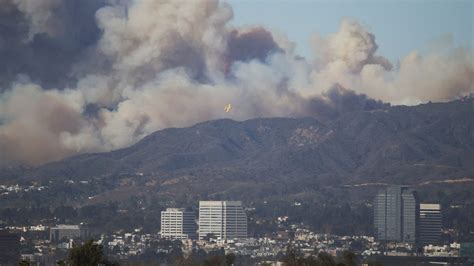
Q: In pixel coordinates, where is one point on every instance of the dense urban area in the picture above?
(403, 230)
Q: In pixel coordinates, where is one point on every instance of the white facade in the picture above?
(224, 220)
(177, 224)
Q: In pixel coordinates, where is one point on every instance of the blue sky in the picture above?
(399, 26)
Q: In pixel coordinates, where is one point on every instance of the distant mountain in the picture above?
(396, 144)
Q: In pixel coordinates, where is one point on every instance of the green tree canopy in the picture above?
(89, 254)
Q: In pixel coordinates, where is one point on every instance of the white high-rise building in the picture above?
(222, 219)
(177, 224)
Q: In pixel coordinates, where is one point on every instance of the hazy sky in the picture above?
(399, 26)
(130, 68)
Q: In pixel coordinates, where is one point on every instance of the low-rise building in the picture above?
(66, 232)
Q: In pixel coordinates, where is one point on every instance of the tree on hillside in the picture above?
(350, 258)
(230, 259)
(89, 254)
(323, 259)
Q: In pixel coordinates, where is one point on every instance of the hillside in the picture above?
(398, 144)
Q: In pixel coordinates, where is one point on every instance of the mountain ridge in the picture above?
(398, 144)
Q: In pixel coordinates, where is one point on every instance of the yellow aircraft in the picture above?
(227, 108)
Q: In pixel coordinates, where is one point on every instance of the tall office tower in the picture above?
(222, 219)
(430, 223)
(396, 214)
(178, 224)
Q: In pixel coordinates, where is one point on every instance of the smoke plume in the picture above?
(100, 75)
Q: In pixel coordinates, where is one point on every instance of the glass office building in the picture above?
(430, 223)
(396, 214)
(222, 219)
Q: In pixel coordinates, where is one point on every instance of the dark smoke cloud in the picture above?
(87, 76)
(338, 101)
(253, 43)
(44, 38)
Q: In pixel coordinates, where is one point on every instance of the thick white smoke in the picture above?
(158, 64)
